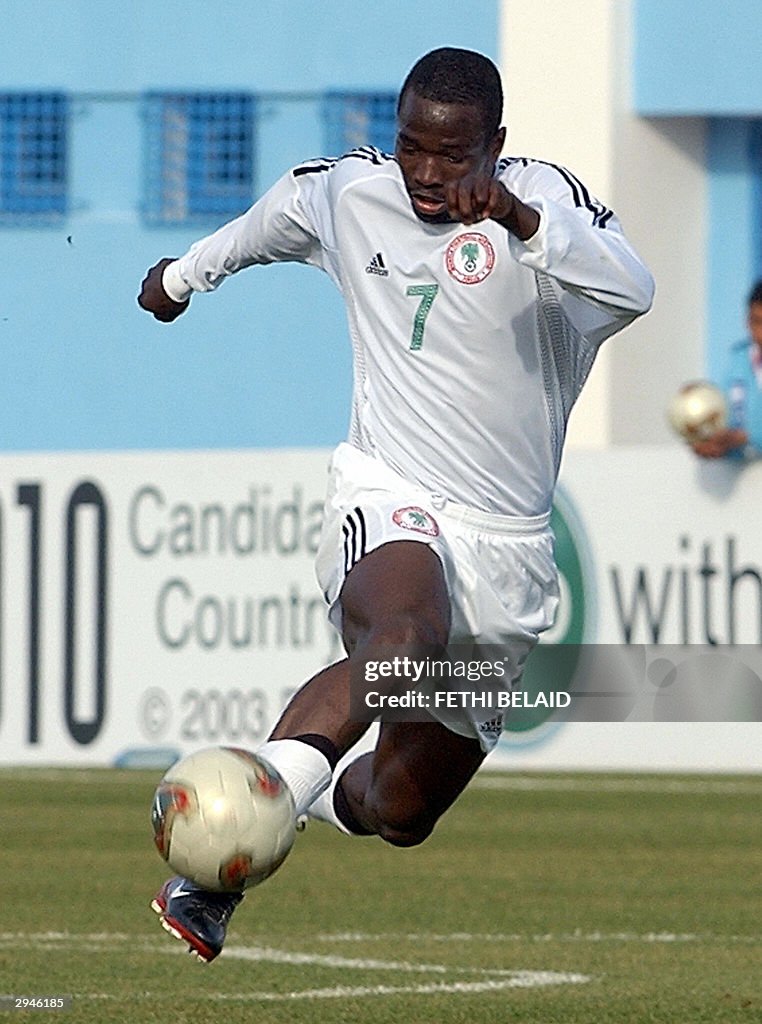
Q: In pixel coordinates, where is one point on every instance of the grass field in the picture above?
(541, 899)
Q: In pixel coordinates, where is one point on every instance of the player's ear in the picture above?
(497, 143)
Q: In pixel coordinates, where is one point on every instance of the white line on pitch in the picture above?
(520, 979)
(494, 980)
(259, 954)
(488, 779)
(280, 956)
(576, 936)
(101, 940)
(602, 784)
(54, 937)
(90, 776)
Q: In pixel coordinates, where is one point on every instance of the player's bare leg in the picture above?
(401, 789)
(394, 598)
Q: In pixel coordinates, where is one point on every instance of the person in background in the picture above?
(742, 384)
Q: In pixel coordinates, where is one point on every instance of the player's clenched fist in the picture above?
(155, 300)
(478, 197)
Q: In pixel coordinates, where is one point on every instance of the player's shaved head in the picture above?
(451, 75)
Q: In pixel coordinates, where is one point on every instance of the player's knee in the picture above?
(406, 834)
(402, 824)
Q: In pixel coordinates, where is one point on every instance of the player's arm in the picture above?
(579, 243)
(733, 439)
(555, 226)
(275, 228)
(721, 443)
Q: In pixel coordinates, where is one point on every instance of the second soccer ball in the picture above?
(698, 411)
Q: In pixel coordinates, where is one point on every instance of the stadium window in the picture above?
(33, 163)
(199, 156)
(354, 119)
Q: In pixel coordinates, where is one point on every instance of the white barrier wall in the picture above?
(670, 554)
(155, 600)
(153, 603)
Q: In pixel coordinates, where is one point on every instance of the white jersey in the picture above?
(470, 346)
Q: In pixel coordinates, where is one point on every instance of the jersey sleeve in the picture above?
(602, 282)
(282, 226)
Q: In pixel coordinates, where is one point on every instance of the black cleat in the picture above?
(196, 916)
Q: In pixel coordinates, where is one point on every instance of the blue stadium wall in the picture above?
(701, 60)
(266, 361)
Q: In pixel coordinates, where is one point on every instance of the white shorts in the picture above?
(500, 571)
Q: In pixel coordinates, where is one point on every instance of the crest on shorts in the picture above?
(413, 518)
(470, 257)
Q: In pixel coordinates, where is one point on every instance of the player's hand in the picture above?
(155, 300)
(721, 443)
(477, 197)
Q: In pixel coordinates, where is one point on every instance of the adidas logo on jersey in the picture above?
(493, 727)
(377, 266)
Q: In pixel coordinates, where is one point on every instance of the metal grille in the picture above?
(359, 119)
(33, 144)
(200, 156)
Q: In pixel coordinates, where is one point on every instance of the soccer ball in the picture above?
(223, 818)
(698, 411)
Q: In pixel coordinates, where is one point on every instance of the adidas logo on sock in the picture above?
(377, 266)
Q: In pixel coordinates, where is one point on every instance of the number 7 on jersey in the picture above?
(428, 293)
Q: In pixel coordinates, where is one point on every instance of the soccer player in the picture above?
(478, 290)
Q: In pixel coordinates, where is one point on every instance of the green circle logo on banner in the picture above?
(551, 666)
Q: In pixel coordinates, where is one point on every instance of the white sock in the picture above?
(322, 808)
(303, 768)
